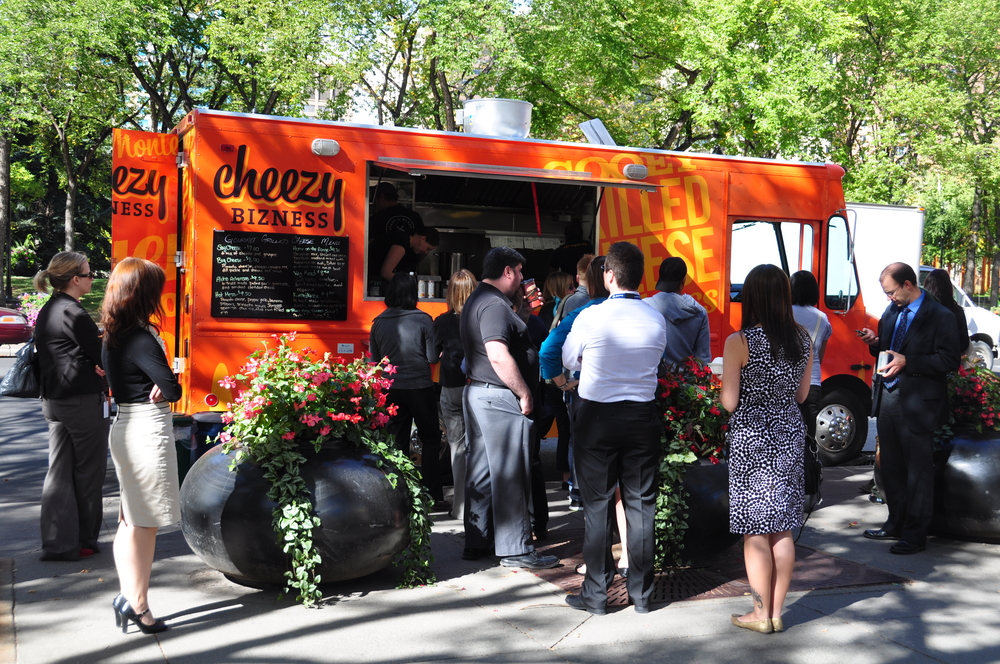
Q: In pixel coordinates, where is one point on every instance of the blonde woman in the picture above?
(142, 439)
(448, 346)
(74, 405)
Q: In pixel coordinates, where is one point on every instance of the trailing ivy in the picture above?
(293, 400)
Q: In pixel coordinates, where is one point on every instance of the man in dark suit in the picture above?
(911, 400)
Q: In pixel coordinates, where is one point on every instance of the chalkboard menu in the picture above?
(277, 275)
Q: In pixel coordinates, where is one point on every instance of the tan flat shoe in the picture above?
(763, 626)
(778, 624)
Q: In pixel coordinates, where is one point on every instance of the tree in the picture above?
(66, 85)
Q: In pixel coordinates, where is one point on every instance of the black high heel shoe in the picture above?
(117, 603)
(124, 614)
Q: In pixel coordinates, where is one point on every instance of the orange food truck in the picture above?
(262, 226)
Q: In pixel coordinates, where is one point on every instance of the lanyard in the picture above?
(625, 296)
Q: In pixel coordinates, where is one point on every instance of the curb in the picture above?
(8, 648)
(9, 350)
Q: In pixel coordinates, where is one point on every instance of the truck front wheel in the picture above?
(980, 349)
(841, 427)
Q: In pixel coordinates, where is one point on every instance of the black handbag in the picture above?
(22, 379)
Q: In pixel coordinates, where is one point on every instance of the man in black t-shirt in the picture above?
(389, 215)
(502, 366)
(398, 251)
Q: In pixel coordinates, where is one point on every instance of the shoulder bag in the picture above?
(22, 379)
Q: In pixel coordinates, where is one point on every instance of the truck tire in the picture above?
(841, 427)
(980, 349)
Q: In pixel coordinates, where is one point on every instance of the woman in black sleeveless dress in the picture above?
(764, 378)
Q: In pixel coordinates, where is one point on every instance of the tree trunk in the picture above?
(5, 240)
(969, 281)
(995, 268)
(70, 210)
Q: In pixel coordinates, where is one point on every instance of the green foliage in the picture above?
(695, 427)
(294, 399)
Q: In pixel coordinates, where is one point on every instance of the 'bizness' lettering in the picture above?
(294, 187)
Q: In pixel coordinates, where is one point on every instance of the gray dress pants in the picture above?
(72, 512)
(498, 472)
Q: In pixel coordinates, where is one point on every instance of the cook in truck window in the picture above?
(399, 251)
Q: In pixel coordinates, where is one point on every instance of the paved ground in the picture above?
(477, 612)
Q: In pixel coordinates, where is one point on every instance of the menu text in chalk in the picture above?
(279, 275)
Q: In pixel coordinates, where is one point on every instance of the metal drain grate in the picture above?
(726, 577)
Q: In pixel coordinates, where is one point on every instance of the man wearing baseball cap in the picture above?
(687, 321)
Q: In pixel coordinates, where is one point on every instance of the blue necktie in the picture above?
(897, 341)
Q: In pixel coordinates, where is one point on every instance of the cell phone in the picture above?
(531, 294)
(860, 333)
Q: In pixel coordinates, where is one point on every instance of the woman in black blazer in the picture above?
(75, 406)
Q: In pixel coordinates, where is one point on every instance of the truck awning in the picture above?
(492, 172)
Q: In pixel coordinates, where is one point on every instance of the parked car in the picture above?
(14, 328)
(984, 325)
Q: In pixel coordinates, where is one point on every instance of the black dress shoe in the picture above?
(880, 535)
(472, 553)
(541, 533)
(71, 556)
(904, 548)
(576, 602)
(638, 608)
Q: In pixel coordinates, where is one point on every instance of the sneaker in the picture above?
(575, 505)
(530, 561)
(86, 553)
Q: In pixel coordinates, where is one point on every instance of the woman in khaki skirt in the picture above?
(142, 440)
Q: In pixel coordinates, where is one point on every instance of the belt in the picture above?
(489, 386)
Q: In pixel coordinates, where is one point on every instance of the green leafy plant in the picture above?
(31, 304)
(694, 427)
(293, 398)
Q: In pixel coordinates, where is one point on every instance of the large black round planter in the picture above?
(967, 488)
(226, 516)
(707, 533)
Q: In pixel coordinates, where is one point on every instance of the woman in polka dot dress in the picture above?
(764, 378)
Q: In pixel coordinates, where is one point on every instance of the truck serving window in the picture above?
(474, 207)
(786, 244)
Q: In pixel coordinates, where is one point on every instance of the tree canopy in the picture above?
(903, 94)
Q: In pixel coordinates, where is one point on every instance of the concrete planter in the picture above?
(226, 516)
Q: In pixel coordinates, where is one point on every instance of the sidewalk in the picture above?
(478, 611)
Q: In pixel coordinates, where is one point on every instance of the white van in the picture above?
(984, 325)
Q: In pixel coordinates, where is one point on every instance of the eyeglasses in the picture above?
(89, 275)
(891, 293)
(605, 268)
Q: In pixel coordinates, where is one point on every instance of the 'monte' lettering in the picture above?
(292, 186)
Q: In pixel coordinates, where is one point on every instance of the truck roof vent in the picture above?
(504, 118)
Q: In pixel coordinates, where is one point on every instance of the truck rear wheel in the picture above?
(841, 427)
(981, 350)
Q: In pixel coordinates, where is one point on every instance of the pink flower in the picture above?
(228, 383)
(299, 388)
(311, 397)
(227, 418)
(225, 437)
(324, 431)
(288, 435)
(310, 420)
